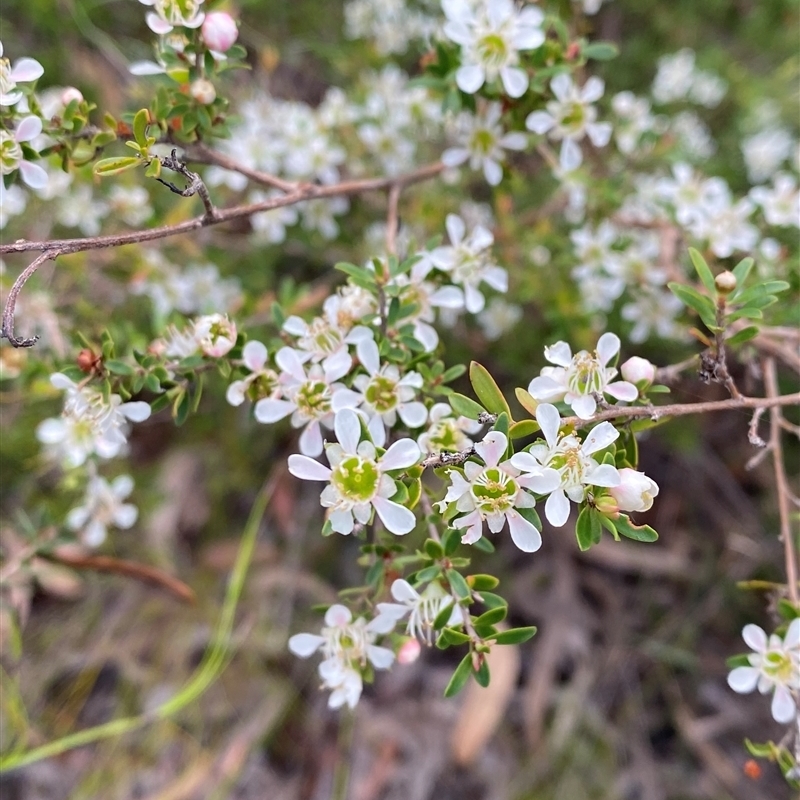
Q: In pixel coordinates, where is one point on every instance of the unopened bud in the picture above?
(635, 492)
(725, 282)
(219, 31)
(87, 360)
(607, 506)
(69, 94)
(203, 91)
(409, 652)
(638, 370)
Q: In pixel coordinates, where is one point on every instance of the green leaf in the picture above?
(414, 493)
(487, 390)
(140, 123)
(526, 401)
(703, 270)
(744, 335)
(433, 549)
(788, 610)
(482, 675)
(746, 313)
(742, 270)
(153, 169)
(464, 406)
(588, 529)
(451, 540)
(640, 533)
(484, 545)
(118, 367)
(501, 424)
(690, 297)
(460, 676)
(600, 51)
(114, 166)
(492, 600)
(525, 427)
(452, 373)
(482, 582)
(442, 618)
(180, 407)
(758, 291)
(428, 574)
(492, 616)
(458, 584)
(515, 635)
(451, 635)
(532, 516)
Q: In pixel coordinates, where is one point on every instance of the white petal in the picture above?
(157, 25)
(370, 358)
(404, 592)
(604, 475)
(493, 173)
(305, 644)
(545, 389)
(470, 78)
(525, 462)
(584, 406)
(556, 509)
(743, 679)
(561, 86)
(570, 157)
(337, 364)
(308, 469)
(269, 410)
(539, 122)
(377, 430)
(515, 140)
(26, 69)
(345, 398)
(599, 133)
(559, 353)
(592, 90)
(549, 421)
(523, 533)
(347, 427)
(783, 707)
(137, 411)
(413, 414)
(29, 128)
(755, 638)
(600, 436)
(401, 455)
(380, 657)
(515, 81)
(235, 393)
(142, 68)
(338, 615)
(455, 229)
(548, 481)
(33, 175)
(125, 516)
(341, 522)
(792, 638)
(622, 390)
(607, 347)
(395, 517)
(492, 448)
(454, 156)
(289, 361)
(254, 355)
(295, 325)
(311, 439)
(122, 486)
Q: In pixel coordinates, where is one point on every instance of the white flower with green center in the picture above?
(578, 379)
(169, 14)
(491, 36)
(422, 608)
(447, 433)
(262, 381)
(347, 646)
(103, 507)
(774, 666)
(571, 459)
(24, 70)
(12, 158)
(357, 478)
(383, 395)
(468, 261)
(493, 493)
(323, 340)
(571, 116)
(482, 142)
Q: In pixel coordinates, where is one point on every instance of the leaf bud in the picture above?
(725, 282)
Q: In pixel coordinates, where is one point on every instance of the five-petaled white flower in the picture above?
(260, 383)
(571, 116)
(23, 71)
(447, 433)
(347, 645)
(490, 35)
(357, 477)
(169, 14)
(571, 459)
(775, 665)
(493, 492)
(103, 506)
(422, 608)
(482, 142)
(577, 379)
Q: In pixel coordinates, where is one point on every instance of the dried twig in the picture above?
(195, 186)
(7, 331)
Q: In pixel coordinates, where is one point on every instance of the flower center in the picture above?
(313, 399)
(381, 394)
(573, 117)
(492, 51)
(446, 435)
(177, 12)
(482, 141)
(585, 375)
(10, 153)
(356, 478)
(778, 666)
(321, 338)
(494, 491)
(569, 460)
(6, 84)
(263, 385)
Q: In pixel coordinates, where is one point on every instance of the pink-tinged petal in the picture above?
(404, 592)
(523, 533)
(559, 353)
(26, 69)
(347, 427)
(254, 356)
(33, 175)
(380, 657)
(305, 644)
(622, 390)
(455, 229)
(545, 389)
(593, 89)
(307, 469)
(413, 415)
(515, 81)
(743, 679)
(755, 638)
(29, 128)
(539, 122)
(396, 518)
(470, 78)
(783, 706)
(401, 455)
(474, 525)
(137, 411)
(311, 440)
(338, 615)
(604, 475)
(269, 410)
(556, 509)
(157, 25)
(600, 436)
(584, 406)
(607, 347)
(549, 421)
(492, 448)
(288, 360)
(493, 173)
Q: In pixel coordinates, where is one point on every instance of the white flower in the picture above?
(215, 334)
(358, 479)
(23, 71)
(12, 157)
(490, 35)
(781, 202)
(498, 318)
(421, 608)
(775, 665)
(347, 645)
(635, 491)
(168, 14)
(765, 151)
(447, 433)
(571, 458)
(468, 262)
(675, 76)
(634, 118)
(384, 395)
(482, 142)
(307, 397)
(571, 116)
(103, 507)
(578, 378)
(261, 382)
(493, 493)
(653, 311)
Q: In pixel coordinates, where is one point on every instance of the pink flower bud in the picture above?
(409, 652)
(203, 91)
(635, 492)
(638, 370)
(219, 31)
(69, 94)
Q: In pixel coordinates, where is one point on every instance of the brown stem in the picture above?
(393, 219)
(781, 483)
(194, 187)
(7, 331)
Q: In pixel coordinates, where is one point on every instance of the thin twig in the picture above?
(7, 331)
(393, 219)
(201, 154)
(672, 372)
(781, 484)
(195, 186)
(752, 431)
